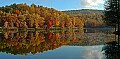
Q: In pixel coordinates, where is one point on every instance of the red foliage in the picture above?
(49, 35)
(73, 22)
(40, 24)
(16, 11)
(49, 24)
(72, 40)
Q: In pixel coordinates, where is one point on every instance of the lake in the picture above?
(73, 44)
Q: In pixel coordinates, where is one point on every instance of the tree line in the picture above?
(25, 16)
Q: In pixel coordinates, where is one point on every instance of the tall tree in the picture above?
(111, 13)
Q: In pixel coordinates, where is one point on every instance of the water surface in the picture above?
(74, 44)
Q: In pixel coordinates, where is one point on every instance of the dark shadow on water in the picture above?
(116, 33)
(112, 49)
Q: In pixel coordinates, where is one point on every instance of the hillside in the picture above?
(92, 18)
(32, 16)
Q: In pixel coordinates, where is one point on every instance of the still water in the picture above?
(73, 44)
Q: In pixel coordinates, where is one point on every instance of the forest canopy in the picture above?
(25, 16)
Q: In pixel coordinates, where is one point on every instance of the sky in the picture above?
(60, 4)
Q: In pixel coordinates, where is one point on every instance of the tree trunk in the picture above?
(115, 27)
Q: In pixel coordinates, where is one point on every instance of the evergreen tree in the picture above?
(111, 12)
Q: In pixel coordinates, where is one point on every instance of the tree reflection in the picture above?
(33, 42)
(25, 42)
(112, 50)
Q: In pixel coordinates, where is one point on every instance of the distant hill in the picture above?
(92, 18)
(84, 11)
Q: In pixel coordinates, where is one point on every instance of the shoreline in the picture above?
(41, 29)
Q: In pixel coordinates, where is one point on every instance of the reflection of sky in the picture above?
(64, 52)
(93, 52)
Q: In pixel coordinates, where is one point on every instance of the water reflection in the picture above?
(81, 44)
(98, 30)
(92, 52)
(34, 41)
(112, 49)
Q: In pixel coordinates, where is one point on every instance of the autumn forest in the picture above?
(59, 29)
(25, 16)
